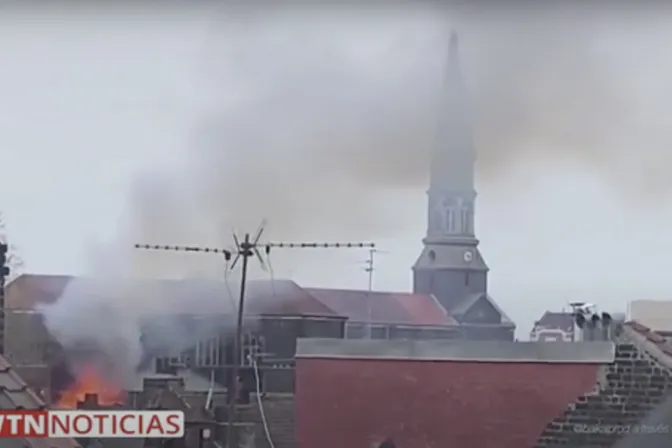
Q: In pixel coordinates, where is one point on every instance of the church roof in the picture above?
(464, 305)
(182, 296)
(283, 297)
(384, 307)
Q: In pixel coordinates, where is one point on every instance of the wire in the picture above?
(264, 422)
(270, 271)
(229, 292)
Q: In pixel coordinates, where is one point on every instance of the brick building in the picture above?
(586, 395)
(446, 393)
(288, 313)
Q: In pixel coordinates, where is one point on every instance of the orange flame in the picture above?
(89, 381)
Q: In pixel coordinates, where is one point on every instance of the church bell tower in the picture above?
(450, 266)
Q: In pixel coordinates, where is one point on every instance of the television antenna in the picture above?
(243, 250)
(369, 269)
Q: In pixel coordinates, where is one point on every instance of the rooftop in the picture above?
(594, 352)
(15, 394)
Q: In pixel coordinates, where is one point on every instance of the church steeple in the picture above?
(452, 193)
(450, 266)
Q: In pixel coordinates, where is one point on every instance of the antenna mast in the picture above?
(244, 250)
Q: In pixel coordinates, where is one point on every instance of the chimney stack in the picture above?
(595, 327)
(89, 403)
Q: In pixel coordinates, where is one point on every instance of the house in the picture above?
(15, 394)
(554, 326)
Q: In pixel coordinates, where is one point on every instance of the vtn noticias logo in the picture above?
(622, 429)
(91, 424)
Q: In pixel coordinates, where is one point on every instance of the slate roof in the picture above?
(384, 307)
(556, 321)
(15, 394)
(469, 301)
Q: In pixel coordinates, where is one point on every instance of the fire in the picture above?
(90, 381)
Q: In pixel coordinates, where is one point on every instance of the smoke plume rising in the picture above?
(314, 116)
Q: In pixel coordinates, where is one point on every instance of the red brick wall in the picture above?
(357, 403)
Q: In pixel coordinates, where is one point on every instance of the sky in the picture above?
(177, 126)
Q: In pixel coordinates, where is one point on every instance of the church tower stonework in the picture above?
(451, 266)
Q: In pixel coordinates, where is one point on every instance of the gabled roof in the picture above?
(15, 394)
(464, 305)
(278, 297)
(384, 307)
(556, 321)
(186, 296)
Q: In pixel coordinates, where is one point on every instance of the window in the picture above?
(355, 331)
(207, 352)
(379, 332)
(450, 221)
(252, 346)
(466, 278)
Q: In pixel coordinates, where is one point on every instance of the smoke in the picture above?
(314, 116)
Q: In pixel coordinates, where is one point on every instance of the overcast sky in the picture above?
(177, 126)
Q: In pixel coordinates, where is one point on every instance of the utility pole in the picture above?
(249, 247)
(369, 307)
(4, 273)
(369, 269)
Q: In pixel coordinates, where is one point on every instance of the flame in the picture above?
(90, 381)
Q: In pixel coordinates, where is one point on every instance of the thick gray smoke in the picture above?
(315, 115)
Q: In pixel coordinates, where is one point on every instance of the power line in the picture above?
(243, 251)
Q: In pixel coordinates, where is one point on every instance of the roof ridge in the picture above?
(378, 292)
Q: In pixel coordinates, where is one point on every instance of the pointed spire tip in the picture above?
(452, 48)
(453, 39)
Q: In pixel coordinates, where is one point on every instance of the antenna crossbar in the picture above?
(245, 249)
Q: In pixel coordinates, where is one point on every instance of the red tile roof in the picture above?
(383, 307)
(279, 297)
(440, 403)
(283, 297)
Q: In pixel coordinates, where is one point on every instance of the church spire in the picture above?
(453, 53)
(454, 152)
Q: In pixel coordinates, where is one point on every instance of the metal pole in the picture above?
(4, 272)
(245, 247)
(369, 308)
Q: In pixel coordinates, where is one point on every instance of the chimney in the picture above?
(607, 327)
(90, 402)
